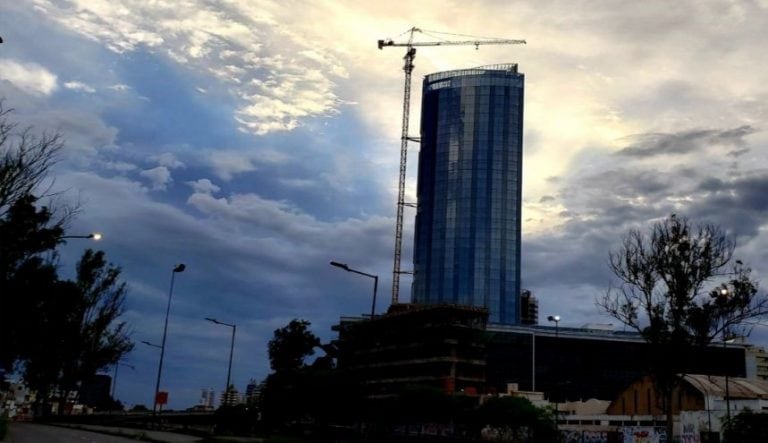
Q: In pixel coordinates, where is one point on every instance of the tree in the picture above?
(25, 160)
(96, 336)
(76, 329)
(291, 345)
(747, 426)
(287, 395)
(62, 331)
(679, 290)
(26, 230)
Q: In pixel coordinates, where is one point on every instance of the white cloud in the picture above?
(79, 86)
(120, 87)
(158, 177)
(204, 186)
(120, 166)
(29, 77)
(167, 159)
(227, 164)
(280, 77)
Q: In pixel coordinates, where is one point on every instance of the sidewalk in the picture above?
(155, 436)
(139, 434)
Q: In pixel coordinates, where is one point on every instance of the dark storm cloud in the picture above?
(652, 144)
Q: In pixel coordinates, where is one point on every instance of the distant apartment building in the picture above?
(207, 399)
(529, 309)
(253, 392)
(468, 217)
(757, 363)
(231, 397)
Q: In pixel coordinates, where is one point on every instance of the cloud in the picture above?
(226, 164)
(167, 159)
(79, 86)
(646, 145)
(279, 77)
(204, 186)
(119, 87)
(29, 77)
(158, 177)
(120, 166)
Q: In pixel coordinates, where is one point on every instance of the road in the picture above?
(32, 433)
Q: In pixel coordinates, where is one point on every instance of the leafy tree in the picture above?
(679, 290)
(24, 235)
(747, 426)
(287, 395)
(26, 230)
(76, 328)
(96, 338)
(291, 345)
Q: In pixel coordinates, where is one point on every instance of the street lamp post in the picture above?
(178, 268)
(114, 378)
(374, 277)
(94, 236)
(724, 293)
(231, 352)
(556, 320)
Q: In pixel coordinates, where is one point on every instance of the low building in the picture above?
(426, 345)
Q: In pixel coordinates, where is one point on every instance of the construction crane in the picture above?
(410, 54)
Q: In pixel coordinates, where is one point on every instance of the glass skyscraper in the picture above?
(467, 236)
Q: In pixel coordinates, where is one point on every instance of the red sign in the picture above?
(161, 398)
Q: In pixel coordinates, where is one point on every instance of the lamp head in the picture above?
(212, 320)
(96, 236)
(340, 265)
(180, 267)
(554, 318)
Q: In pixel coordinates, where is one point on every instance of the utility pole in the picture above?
(410, 55)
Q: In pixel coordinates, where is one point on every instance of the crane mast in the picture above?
(410, 55)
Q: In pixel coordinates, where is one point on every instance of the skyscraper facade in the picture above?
(467, 236)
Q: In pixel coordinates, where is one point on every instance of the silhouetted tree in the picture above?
(76, 329)
(96, 337)
(25, 160)
(747, 426)
(291, 345)
(26, 230)
(288, 392)
(678, 290)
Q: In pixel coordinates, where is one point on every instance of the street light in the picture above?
(374, 277)
(231, 351)
(556, 319)
(93, 236)
(178, 268)
(724, 294)
(151, 344)
(114, 377)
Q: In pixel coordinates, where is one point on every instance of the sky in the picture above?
(257, 140)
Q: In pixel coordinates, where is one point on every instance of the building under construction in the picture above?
(438, 346)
